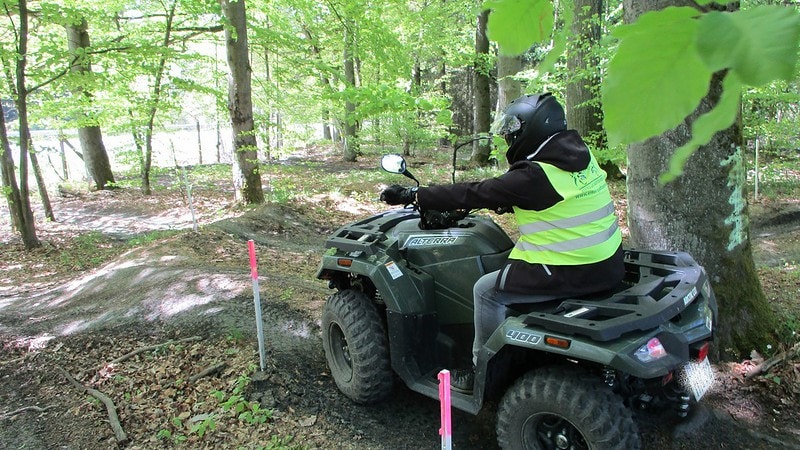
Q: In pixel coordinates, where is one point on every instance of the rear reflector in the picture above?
(344, 262)
(557, 342)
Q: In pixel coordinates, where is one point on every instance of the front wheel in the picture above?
(564, 408)
(356, 347)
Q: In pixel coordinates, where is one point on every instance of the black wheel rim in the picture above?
(551, 432)
(341, 352)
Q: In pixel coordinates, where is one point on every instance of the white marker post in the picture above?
(251, 247)
(446, 429)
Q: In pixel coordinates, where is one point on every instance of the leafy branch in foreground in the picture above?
(664, 62)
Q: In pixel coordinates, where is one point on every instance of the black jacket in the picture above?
(525, 185)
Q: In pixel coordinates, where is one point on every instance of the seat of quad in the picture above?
(518, 304)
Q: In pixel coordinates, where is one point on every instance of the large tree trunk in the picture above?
(20, 208)
(704, 212)
(95, 157)
(350, 129)
(247, 176)
(583, 110)
(483, 104)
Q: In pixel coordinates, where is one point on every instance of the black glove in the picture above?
(399, 195)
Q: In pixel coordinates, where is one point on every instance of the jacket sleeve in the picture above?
(524, 185)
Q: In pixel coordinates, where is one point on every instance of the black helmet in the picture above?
(527, 122)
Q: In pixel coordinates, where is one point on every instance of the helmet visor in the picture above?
(505, 124)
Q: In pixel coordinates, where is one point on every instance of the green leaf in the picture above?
(760, 44)
(656, 78)
(517, 24)
(719, 118)
(560, 40)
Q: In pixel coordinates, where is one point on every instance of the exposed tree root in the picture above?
(130, 355)
(207, 372)
(8, 415)
(113, 418)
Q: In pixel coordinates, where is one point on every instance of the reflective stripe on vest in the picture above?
(581, 229)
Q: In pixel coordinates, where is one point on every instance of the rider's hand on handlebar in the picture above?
(399, 195)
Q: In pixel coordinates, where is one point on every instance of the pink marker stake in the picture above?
(446, 430)
(251, 247)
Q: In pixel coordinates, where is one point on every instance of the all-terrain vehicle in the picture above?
(567, 371)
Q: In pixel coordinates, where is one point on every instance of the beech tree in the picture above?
(19, 206)
(713, 181)
(240, 106)
(582, 103)
(482, 103)
(95, 157)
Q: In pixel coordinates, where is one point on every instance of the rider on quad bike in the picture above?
(566, 331)
(570, 243)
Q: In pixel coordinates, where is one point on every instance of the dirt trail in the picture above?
(197, 284)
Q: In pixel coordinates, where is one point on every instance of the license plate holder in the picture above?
(697, 377)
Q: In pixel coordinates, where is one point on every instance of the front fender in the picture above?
(402, 289)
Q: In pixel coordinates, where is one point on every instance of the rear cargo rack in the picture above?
(659, 286)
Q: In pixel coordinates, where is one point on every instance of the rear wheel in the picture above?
(564, 408)
(356, 348)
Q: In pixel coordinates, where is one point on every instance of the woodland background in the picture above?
(143, 142)
(687, 92)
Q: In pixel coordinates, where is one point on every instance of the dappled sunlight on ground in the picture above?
(344, 203)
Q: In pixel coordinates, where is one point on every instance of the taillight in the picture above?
(651, 351)
(702, 353)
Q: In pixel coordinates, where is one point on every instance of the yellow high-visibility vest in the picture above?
(581, 229)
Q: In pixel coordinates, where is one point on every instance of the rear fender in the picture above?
(617, 354)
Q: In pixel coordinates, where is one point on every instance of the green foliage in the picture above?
(656, 78)
(664, 62)
(86, 251)
(719, 118)
(244, 410)
(203, 425)
(755, 47)
(151, 236)
(516, 24)
(281, 443)
(759, 45)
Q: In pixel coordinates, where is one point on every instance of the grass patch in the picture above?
(781, 286)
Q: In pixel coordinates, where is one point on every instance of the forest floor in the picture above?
(125, 299)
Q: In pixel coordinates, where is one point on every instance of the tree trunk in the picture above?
(155, 98)
(508, 89)
(442, 76)
(247, 177)
(25, 143)
(324, 83)
(351, 145)
(268, 124)
(199, 142)
(19, 207)
(584, 112)
(482, 106)
(704, 212)
(95, 156)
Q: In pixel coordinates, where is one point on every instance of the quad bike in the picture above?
(567, 371)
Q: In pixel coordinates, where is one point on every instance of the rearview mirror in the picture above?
(393, 163)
